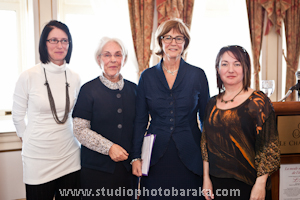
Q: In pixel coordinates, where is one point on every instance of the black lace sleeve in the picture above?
(267, 157)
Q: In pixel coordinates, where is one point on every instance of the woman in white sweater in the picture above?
(46, 93)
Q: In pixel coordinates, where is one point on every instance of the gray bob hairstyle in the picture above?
(104, 41)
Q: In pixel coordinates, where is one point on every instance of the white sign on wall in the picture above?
(289, 188)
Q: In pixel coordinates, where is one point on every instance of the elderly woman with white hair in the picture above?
(103, 123)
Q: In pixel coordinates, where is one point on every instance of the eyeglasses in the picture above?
(109, 56)
(168, 39)
(56, 41)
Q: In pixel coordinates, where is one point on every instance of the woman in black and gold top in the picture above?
(240, 140)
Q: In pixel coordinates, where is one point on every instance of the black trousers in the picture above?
(231, 189)
(106, 186)
(64, 188)
(170, 179)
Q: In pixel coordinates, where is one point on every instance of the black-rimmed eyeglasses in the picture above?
(56, 41)
(168, 39)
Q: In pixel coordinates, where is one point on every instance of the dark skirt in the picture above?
(102, 185)
(231, 189)
(169, 178)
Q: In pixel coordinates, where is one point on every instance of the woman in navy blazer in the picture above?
(170, 96)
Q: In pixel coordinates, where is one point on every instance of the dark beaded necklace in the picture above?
(231, 100)
(52, 103)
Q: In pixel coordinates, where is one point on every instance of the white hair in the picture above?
(104, 41)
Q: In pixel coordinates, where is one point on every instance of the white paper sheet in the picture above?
(289, 188)
(146, 153)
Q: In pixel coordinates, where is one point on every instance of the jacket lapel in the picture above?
(161, 76)
(180, 75)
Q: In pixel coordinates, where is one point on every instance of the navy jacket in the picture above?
(173, 113)
(101, 106)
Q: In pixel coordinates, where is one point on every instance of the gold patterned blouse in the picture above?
(241, 142)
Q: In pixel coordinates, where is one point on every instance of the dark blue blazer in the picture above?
(173, 113)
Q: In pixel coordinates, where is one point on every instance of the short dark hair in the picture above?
(44, 56)
(166, 27)
(243, 57)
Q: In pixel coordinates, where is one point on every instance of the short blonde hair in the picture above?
(104, 41)
(167, 26)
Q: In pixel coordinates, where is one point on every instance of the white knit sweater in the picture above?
(49, 150)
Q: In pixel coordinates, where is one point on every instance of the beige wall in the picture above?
(11, 176)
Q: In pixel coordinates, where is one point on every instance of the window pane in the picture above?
(111, 19)
(216, 24)
(9, 52)
(82, 60)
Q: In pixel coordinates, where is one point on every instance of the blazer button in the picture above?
(171, 119)
(119, 126)
(171, 128)
(119, 110)
(119, 95)
(171, 111)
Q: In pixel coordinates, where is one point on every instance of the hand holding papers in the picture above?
(146, 152)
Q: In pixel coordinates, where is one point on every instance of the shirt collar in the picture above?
(112, 85)
(53, 68)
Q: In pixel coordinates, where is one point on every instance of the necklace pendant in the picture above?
(170, 72)
(231, 100)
